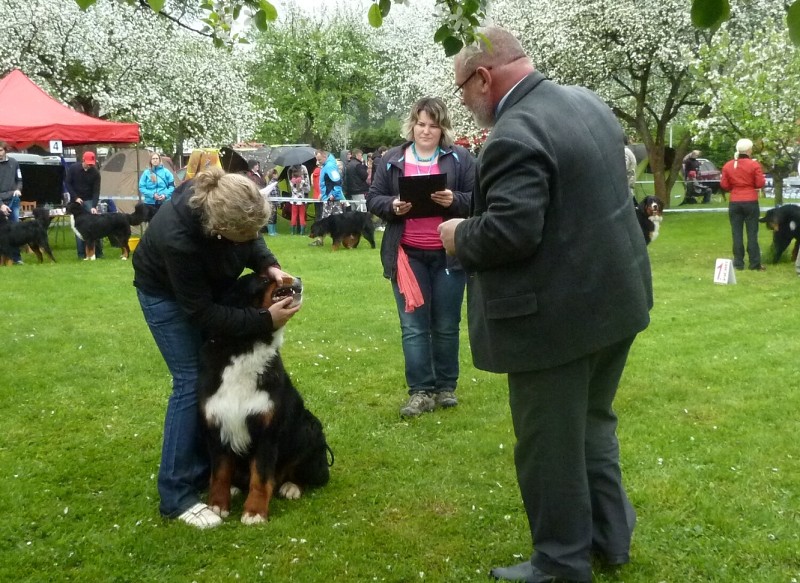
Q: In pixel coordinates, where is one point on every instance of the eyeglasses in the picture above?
(460, 88)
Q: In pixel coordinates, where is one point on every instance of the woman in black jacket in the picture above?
(428, 285)
(190, 255)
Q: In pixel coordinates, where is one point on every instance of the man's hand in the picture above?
(447, 232)
(5, 209)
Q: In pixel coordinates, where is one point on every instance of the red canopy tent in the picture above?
(29, 116)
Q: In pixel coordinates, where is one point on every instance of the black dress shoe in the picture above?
(525, 572)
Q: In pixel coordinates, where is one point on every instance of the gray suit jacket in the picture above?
(558, 266)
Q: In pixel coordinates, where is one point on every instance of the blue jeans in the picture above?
(184, 469)
(430, 333)
(14, 204)
(81, 245)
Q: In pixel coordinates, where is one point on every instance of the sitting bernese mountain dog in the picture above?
(784, 222)
(261, 437)
(116, 226)
(32, 233)
(650, 213)
(346, 229)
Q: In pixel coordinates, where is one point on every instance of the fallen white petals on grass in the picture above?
(507, 517)
(421, 575)
(517, 556)
(66, 510)
(660, 461)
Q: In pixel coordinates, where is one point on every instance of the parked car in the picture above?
(709, 174)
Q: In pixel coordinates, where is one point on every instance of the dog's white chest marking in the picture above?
(238, 395)
(656, 220)
(792, 226)
(74, 230)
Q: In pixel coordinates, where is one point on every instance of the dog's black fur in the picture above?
(280, 445)
(649, 213)
(32, 233)
(115, 226)
(784, 222)
(345, 228)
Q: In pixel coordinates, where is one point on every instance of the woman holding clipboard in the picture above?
(414, 188)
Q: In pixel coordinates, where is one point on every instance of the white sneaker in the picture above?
(201, 516)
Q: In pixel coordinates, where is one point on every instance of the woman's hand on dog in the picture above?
(276, 274)
(281, 312)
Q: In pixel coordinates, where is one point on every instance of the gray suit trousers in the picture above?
(567, 461)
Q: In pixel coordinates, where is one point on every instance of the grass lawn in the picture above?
(708, 412)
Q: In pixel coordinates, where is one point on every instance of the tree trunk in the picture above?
(777, 188)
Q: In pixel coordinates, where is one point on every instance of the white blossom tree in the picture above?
(753, 91)
(411, 65)
(317, 71)
(636, 54)
(121, 62)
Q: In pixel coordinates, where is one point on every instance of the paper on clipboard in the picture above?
(418, 190)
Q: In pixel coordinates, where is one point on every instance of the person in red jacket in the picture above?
(743, 178)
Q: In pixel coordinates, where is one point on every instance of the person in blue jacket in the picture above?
(156, 185)
(330, 184)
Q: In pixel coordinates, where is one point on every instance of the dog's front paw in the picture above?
(220, 512)
(248, 518)
(290, 491)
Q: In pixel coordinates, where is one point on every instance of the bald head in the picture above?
(486, 71)
(496, 47)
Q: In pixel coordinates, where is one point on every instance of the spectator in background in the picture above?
(300, 186)
(271, 189)
(254, 173)
(83, 185)
(356, 176)
(630, 167)
(330, 184)
(744, 178)
(10, 192)
(156, 185)
(318, 206)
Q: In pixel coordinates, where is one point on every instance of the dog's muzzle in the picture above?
(292, 289)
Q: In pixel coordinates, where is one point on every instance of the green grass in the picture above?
(708, 428)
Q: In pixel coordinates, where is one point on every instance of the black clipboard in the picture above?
(418, 190)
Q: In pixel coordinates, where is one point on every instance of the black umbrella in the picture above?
(292, 155)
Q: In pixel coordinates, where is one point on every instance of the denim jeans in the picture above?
(745, 214)
(430, 333)
(184, 468)
(81, 245)
(14, 204)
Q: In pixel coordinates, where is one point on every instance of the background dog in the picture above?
(31, 233)
(784, 222)
(115, 226)
(346, 229)
(260, 435)
(650, 213)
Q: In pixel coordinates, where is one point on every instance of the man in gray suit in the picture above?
(559, 285)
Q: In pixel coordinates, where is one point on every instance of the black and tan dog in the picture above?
(32, 233)
(261, 437)
(346, 229)
(116, 226)
(784, 222)
(650, 213)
